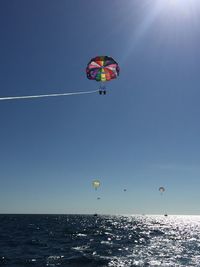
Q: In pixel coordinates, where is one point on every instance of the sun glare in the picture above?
(172, 19)
(180, 9)
(178, 2)
(179, 6)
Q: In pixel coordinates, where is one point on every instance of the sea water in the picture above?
(103, 240)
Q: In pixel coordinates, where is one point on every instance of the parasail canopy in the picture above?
(95, 184)
(102, 69)
(161, 189)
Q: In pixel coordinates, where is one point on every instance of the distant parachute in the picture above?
(96, 184)
(125, 189)
(102, 69)
(161, 189)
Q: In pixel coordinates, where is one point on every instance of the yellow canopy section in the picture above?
(96, 184)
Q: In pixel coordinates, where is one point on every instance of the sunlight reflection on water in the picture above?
(115, 241)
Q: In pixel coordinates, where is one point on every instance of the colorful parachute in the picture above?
(102, 69)
(96, 184)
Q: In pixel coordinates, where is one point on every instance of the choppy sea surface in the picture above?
(89, 241)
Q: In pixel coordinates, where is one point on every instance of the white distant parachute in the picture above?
(96, 183)
(161, 189)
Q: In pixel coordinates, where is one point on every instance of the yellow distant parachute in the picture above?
(96, 184)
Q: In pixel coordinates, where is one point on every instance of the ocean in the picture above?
(103, 240)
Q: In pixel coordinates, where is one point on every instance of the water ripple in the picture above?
(84, 240)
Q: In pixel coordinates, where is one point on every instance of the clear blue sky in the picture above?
(143, 134)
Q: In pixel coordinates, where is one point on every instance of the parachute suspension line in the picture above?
(48, 95)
